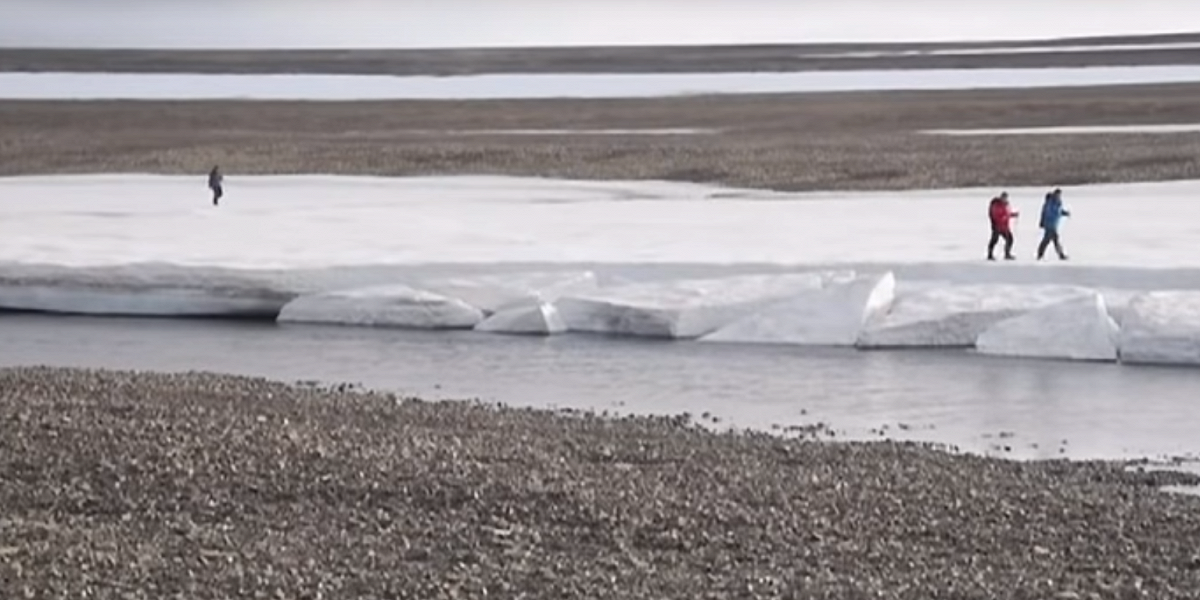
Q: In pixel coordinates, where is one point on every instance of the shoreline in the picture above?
(164, 482)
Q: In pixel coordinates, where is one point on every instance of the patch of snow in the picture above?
(1162, 328)
(829, 316)
(540, 319)
(397, 306)
(681, 309)
(1070, 130)
(1075, 329)
(955, 316)
(994, 50)
(310, 87)
(645, 131)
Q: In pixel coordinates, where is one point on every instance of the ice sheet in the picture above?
(681, 309)
(322, 222)
(833, 315)
(493, 293)
(993, 50)
(1162, 328)
(955, 316)
(124, 244)
(383, 306)
(539, 319)
(177, 86)
(1076, 329)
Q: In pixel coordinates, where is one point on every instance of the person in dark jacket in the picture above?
(215, 178)
(1052, 214)
(1000, 214)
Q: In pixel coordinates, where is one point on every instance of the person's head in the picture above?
(1057, 192)
(1004, 195)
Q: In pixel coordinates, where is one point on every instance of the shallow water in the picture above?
(1015, 408)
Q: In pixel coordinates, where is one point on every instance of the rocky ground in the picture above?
(1114, 51)
(785, 142)
(120, 485)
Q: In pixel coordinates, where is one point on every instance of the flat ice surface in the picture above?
(321, 222)
(172, 86)
(1076, 329)
(383, 306)
(832, 315)
(1031, 49)
(1162, 328)
(1071, 130)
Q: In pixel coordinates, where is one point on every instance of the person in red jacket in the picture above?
(1000, 213)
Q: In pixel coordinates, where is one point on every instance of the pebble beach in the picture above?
(137, 485)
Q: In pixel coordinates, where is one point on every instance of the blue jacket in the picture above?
(1053, 212)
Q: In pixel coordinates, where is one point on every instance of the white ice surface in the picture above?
(680, 309)
(833, 315)
(538, 319)
(956, 316)
(383, 306)
(493, 293)
(993, 50)
(1076, 329)
(1162, 328)
(316, 222)
(176, 86)
(1071, 130)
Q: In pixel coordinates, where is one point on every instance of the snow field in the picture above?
(313, 87)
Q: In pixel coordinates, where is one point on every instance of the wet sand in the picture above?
(129, 485)
(842, 141)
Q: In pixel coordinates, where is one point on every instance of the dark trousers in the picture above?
(217, 193)
(997, 235)
(1050, 236)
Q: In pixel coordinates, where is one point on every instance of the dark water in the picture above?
(1019, 408)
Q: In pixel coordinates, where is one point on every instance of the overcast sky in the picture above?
(440, 23)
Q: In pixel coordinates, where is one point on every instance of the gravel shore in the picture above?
(122, 485)
(1113, 51)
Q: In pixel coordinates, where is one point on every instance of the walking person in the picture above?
(1052, 214)
(1000, 213)
(215, 178)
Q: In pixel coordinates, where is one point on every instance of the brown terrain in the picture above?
(615, 59)
(784, 142)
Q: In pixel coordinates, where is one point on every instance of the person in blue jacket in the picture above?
(1052, 214)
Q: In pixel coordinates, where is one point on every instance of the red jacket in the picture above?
(1000, 214)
